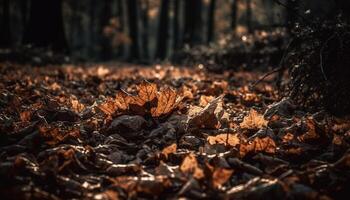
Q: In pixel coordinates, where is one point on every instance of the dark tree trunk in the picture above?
(24, 11)
(249, 16)
(92, 27)
(5, 29)
(45, 27)
(176, 32)
(105, 43)
(145, 46)
(162, 42)
(234, 14)
(193, 22)
(133, 29)
(211, 21)
(120, 16)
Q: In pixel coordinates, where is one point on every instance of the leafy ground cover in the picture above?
(161, 132)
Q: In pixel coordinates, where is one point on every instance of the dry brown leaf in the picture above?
(108, 194)
(25, 116)
(125, 182)
(169, 150)
(206, 117)
(167, 101)
(55, 86)
(253, 121)
(288, 137)
(342, 126)
(146, 93)
(147, 101)
(108, 107)
(186, 92)
(266, 145)
(76, 105)
(153, 185)
(226, 139)
(190, 165)
(54, 135)
(250, 98)
(310, 134)
(221, 176)
(217, 88)
(204, 100)
(122, 100)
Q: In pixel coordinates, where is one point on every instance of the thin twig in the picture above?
(266, 75)
(280, 68)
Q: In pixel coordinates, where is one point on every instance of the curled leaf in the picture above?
(207, 117)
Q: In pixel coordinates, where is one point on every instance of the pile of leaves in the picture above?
(261, 49)
(103, 132)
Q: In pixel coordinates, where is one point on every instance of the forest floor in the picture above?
(107, 132)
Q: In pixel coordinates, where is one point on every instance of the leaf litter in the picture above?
(103, 132)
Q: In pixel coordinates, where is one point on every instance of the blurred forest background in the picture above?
(150, 30)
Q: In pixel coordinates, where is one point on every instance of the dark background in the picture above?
(145, 30)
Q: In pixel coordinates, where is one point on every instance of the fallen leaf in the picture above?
(169, 150)
(265, 145)
(190, 166)
(122, 100)
(25, 116)
(167, 101)
(226, 139)
(53, 135)
(108, 107)
(186, 92)
(253, 121)
(76, 105)
(204, 100)
(146, 92)
(147, 101)
(206, 117)
(221, 176)
(153, 185)
(108, 194)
